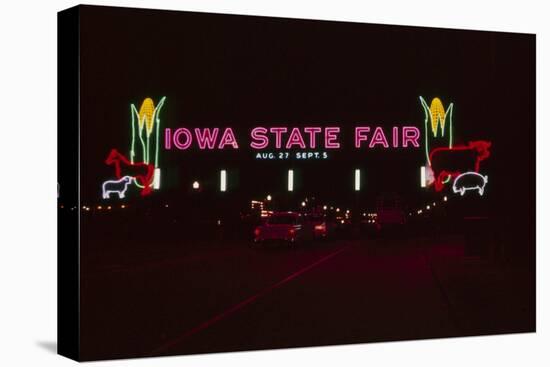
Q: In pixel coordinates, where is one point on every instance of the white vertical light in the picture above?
(422, 176)
(290, 180)
(223, 180)
(357, 179)
(156, 179)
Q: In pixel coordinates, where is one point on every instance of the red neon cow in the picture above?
(142, 172)
(447, 163)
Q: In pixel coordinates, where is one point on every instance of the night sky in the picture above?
(242, 72)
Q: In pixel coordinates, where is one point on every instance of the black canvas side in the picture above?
(68, 341)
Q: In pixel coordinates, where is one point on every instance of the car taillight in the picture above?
(291, 231)
(257, 232)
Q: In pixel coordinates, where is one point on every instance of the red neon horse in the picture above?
(141, 172)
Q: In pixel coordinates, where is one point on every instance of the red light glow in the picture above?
(448, 163)
(141, 172)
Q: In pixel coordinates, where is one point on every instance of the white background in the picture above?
(28, 183)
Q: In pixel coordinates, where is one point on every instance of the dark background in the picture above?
(241, 71)
(224, 70)
(151, 271)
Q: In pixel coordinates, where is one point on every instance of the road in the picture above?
(231, 296)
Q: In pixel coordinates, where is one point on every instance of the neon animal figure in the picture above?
(447, 163)
(141, 172)
(443, 177)
(470, 181)
(116, 186)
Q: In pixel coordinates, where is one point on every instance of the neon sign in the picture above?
(470, 181)
(306, 155)
(143, 166)
(446, 162)
(437, 116)
(146, 120)
(472, 154)
(300, 143)
(116, 186)
(260, 139)
(280, 137)
(141, 172)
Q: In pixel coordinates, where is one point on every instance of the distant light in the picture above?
(268, 198)
(223, 180)
(109, 207)
(166, 205)
(303, 203)
(123, 206)
(433, 203)
(290, 180)
(342, 221)
(196, 185)
(357, 180)
(320, 227)
(337, 210)
(444, 198)
(347, 211)
(324, 207)
(422, 176)
(99, 207)
(364, 214)
(219, 222)
(428, 207)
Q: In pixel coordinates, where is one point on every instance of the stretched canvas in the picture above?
(231, 183)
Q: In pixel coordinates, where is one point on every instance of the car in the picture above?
(285, 227)
(322, 226)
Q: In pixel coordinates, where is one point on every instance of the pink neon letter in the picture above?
(278, 131)
(331, 137)
(228, 138)
(359, 137)
(395, 137)
(312, 131)
(295, 138)
(258, 133)
(206, 138)
(188, 137)
(410, 134)
(167, 138)
(378, 138)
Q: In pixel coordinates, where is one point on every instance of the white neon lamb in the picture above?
(116, 186)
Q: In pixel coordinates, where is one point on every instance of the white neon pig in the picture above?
(470, 181)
